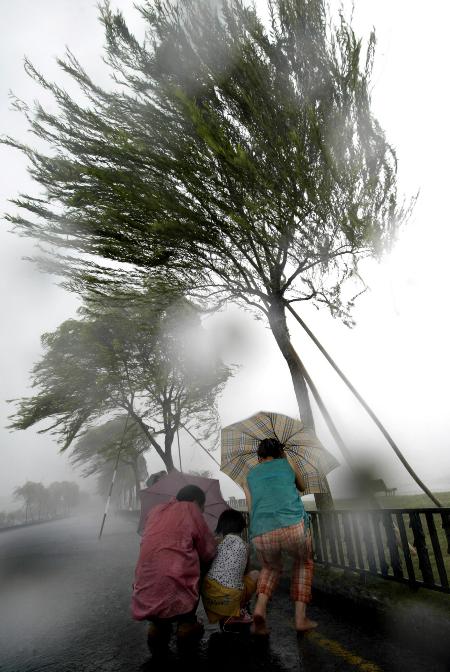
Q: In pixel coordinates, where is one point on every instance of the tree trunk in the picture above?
(278, 324)
(166, 454)
(277, 321)
(137, 481)
(169, 436)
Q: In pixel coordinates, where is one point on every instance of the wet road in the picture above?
(64, 606)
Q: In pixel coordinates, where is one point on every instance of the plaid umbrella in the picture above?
(240, 442)
(168, 486)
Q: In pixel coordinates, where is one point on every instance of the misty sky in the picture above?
(397, 355)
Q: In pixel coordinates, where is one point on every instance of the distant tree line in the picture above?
(42, 503)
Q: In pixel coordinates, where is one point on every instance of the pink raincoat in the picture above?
(176, 538)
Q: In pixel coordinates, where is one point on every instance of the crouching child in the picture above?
(229, 585)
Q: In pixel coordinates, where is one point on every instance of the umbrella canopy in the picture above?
(169, 485)
(240, 443)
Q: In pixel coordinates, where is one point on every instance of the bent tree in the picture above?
(35, 498)
(41, 502)
(115, 440)
(123, 495)
(147, 358)
(236, 158)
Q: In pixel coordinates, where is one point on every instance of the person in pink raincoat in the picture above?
(175, 545)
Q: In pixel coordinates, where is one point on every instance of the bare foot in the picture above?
(305, 624)
(259, 626)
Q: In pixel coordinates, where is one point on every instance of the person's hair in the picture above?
(270, 448)
(191, 493)
(230, 522)
(154, 478)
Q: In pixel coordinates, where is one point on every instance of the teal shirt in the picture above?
(275, 499)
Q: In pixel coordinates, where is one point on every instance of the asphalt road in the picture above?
(64, 606)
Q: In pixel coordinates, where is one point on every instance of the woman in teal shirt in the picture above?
(279, 522)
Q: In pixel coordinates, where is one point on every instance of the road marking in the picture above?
(338, 650)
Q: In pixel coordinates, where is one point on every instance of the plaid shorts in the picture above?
(295, 540)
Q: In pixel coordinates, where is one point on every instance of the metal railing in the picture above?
(237, 504)
(407, 545)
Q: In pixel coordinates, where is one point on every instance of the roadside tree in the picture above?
(238, 159)
(123, 495)
(70, 496)
(103, 445)
(34, 497)
(145, 357)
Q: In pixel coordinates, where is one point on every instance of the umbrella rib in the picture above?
(289, 450)
(237, 457)
(288, 438)
(300, 444)
(273, 428)
(252, 436)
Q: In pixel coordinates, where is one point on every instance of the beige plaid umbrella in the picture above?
(239, 443)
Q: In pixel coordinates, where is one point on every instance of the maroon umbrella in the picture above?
(169, 485)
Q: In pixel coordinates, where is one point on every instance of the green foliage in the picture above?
(119, 442)
(124, 493)
(148, 356)
(100, 447)
(42, 503)
(101, 444)
(235, 159)
(34, 496)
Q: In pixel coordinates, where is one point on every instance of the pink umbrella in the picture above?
(169, 485)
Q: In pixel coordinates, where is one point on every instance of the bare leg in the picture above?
(303, 623)
(260, 615)
(269, 554)
(254, 574)
(301, 582)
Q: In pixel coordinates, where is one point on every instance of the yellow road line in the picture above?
(338, 650)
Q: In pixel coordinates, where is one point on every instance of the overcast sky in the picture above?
(397, 355)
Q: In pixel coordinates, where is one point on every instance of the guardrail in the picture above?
(406, 545)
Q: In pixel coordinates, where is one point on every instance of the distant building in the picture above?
(238, 504)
